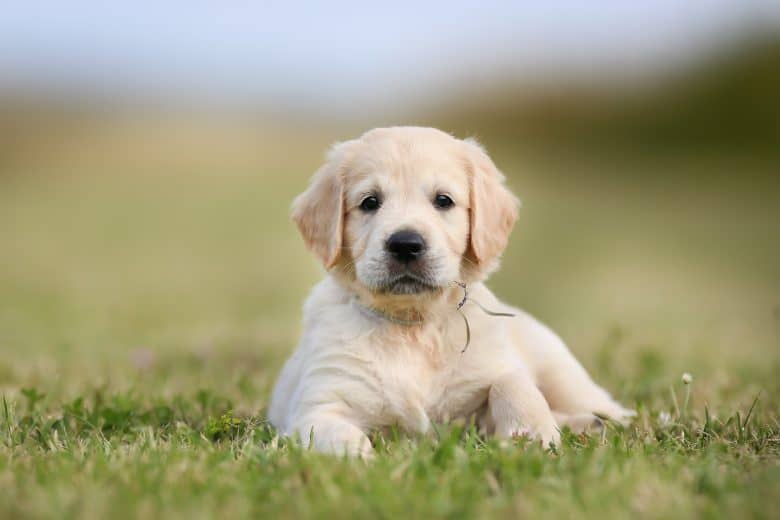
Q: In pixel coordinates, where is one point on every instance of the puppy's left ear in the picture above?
(493, 208)
(319, 211)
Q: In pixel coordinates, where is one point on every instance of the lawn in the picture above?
(144, 314)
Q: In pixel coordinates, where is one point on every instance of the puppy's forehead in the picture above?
(408, 156)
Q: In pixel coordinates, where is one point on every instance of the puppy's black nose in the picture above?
(405, 246)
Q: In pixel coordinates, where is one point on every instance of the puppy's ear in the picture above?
(319, 211)
(493, 208)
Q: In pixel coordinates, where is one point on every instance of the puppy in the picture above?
(397, 217)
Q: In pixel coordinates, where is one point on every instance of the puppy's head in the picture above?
(406, 210)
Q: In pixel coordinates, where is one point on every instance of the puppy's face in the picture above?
(405, 211)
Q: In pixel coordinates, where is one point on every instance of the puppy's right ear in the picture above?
(319, 211)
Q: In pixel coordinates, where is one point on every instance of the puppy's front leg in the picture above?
(333, 433)
(517, 407)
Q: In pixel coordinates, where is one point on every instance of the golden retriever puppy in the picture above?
(400, 217)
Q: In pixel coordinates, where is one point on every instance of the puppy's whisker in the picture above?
(463, 301)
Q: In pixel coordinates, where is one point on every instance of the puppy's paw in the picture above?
(579, 423)
(547, 435)
(357, 447)
(616, 413)
(336, 437)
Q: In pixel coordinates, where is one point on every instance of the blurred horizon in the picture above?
(354, 61)
(723, 104)
(656, 76)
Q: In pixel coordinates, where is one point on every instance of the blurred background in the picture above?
(149, 152)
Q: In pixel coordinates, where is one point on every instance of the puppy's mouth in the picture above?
(408, 283)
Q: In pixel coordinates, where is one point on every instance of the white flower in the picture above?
(687, 378)
(664, 418)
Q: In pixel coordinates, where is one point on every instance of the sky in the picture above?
(338, 55)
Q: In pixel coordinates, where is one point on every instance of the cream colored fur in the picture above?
(355, 372)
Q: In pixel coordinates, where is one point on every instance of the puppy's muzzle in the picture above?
(406, 246)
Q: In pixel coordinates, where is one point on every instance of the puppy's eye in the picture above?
(443, 201)
(370, 204)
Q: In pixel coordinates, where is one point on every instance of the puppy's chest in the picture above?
(423, 381)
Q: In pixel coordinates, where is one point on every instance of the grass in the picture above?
(128, 456)
(144, 316)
